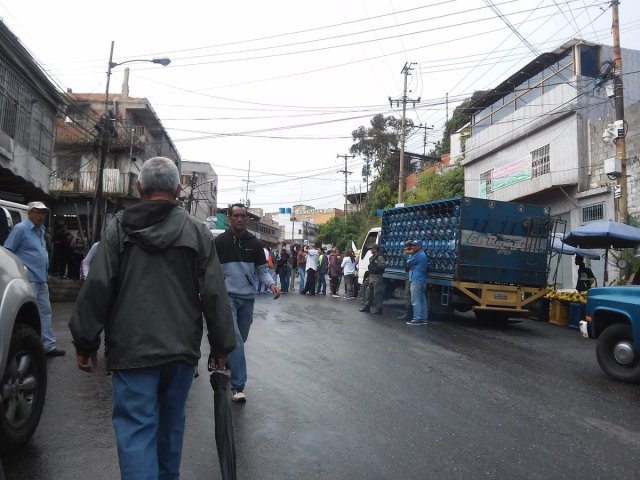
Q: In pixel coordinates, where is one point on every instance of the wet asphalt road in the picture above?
(338, 394)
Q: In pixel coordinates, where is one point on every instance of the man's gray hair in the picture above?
(159, 174)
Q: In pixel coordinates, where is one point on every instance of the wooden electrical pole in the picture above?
(346, 172)
(406, 70)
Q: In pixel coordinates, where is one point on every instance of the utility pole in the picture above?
(621, 148)
(406, 70)
(194, 182)
(346, 172)
(424, 138)
(246, 201)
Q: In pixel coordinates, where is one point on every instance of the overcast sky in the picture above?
(281, 85)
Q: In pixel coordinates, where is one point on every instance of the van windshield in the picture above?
(370, 240)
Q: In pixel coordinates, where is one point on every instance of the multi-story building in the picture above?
(29, 103)
(199, 189)
(135, 134)
(530, 136)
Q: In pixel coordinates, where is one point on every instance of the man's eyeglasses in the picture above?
(239, 215)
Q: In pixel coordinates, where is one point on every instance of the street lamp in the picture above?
(105, 130)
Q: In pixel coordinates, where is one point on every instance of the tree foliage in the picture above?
(431, 186)
(460, 117)
(378, 147)
(340, 232)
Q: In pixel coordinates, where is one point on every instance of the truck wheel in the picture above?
(616, 354)
(23, 389)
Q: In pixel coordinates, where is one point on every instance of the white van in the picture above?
(372, 238)
(10, 214)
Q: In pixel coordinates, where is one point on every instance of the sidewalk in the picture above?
(63, 289)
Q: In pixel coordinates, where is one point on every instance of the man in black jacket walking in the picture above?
(244, 264)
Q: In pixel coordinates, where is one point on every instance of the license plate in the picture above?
(500, 296)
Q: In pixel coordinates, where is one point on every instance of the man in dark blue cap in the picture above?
(417, 263)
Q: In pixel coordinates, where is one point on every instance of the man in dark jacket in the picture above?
(244, 265)
(154, 276)
(374, 294)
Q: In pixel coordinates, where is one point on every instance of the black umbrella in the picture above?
(225, 443)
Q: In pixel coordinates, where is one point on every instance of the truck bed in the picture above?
(472, 240)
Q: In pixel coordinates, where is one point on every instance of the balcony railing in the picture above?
(114, 182)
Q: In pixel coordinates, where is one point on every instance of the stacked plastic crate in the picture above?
(435, 225)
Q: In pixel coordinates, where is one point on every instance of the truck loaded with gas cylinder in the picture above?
(484, 255)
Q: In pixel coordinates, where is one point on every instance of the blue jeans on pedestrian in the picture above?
(419, 302)
(285, 277)
(41, 292)
(242, 309)
(148, 418)
(321, 283)
(300, 278)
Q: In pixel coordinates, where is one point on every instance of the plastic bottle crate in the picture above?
(577, 312)
(559, 313)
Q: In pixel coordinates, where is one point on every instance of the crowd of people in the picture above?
(153, 329)
(308, 266)
(311, 264)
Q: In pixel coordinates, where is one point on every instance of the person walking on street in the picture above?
(417, 263)
(294, 267)
(375, 291)
(284, 270)
(335, 271)
(312, 268)
(262, 286)
(408, 309)
(244, 264)
(349, 271)
(27, 241)
(154, 277)
(301, 262)
(61, 250)
(321, 283)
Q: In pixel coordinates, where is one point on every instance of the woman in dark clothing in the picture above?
(586, 278)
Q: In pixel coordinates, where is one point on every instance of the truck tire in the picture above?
(23, 389)
(616, 353)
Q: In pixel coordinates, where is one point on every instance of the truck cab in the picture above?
(613, 317)
(373, 237)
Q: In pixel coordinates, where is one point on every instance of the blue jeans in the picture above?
(148, 419)
(285, 276)
(419, 301)
(300, 278)
(242, 309)
(321, 283)
(41, 292)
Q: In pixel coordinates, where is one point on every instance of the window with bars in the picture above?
(23, 117)
(540, 161)
(593, 213)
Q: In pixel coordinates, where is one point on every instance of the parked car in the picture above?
(23, 367)
(10, 214)
(613, 317)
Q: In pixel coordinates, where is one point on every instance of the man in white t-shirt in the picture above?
(312, 268)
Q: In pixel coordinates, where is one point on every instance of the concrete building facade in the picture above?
(199, 189)
(136, 134)
(532, 137)
(29, 104)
